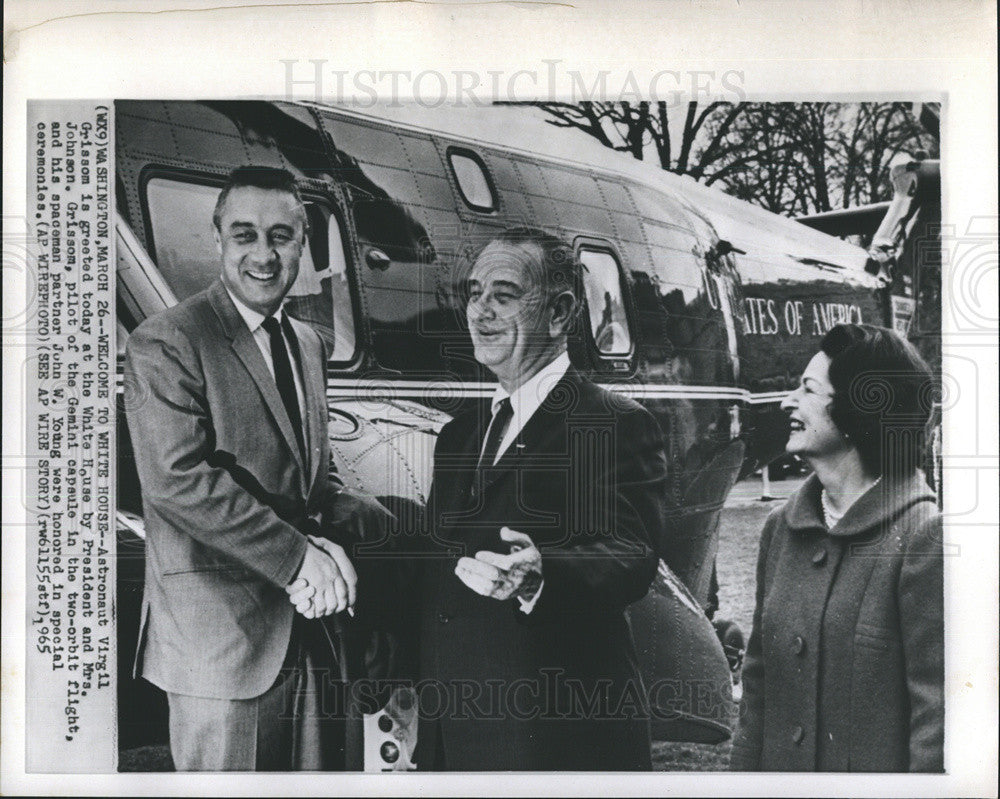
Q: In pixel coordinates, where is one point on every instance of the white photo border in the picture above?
(783, 50)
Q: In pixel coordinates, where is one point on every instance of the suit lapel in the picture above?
(536, 437)
(246, 349)
(460, 464)
(314, 379)
(540, 436)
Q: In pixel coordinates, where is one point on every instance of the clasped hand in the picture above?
(503, 576)
(326, 582)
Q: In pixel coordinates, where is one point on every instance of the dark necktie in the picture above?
(494, 435)
(284, 377)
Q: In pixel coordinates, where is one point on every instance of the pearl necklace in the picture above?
(832, 517)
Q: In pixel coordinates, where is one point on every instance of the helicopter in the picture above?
(701, 307)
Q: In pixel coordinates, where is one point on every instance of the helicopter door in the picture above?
(183, 247)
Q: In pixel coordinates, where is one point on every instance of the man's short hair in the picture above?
(883, 394)
(561, 269)
(259, 177)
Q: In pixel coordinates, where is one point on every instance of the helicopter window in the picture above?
(184, 248)
(321, 296)
(474, 185)
(605, 302)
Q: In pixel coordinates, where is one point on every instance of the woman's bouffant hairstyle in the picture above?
(883, 396)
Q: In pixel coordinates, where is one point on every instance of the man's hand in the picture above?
(326, 582)
(503, 576)
(343, 562)
(350, 517)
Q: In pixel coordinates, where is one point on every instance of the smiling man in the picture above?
(260, 232)
(547, 499)
(230, 441)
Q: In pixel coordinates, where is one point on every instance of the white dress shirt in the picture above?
(527, 399)
(255, 321)
(524, 401)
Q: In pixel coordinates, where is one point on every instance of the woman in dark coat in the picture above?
(845, 665)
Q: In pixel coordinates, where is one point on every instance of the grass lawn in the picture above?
(739, 535)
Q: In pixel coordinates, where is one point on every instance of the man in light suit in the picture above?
(542, 511)
(230, 439)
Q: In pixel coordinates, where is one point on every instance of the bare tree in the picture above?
(644, 128)
(803, 158)
(759, 164)
(792, 158)
(870, 141)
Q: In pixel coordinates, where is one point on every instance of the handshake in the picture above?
(326, 582)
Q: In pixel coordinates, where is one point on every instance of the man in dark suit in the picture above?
(541, 514)
(230, 437)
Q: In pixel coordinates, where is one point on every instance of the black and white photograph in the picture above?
(515, 434)
(537, 377)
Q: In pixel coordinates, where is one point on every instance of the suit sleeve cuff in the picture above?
(292, 562)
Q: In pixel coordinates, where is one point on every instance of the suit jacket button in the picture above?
(798, 645)
(798, 734)
(444, 618)
(819, 558)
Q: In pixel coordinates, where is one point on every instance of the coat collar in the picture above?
(885, 500)
(537, 435)
(545, 424)
(313, 364)
(529, 396)
(245, 347)
(232, 323)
